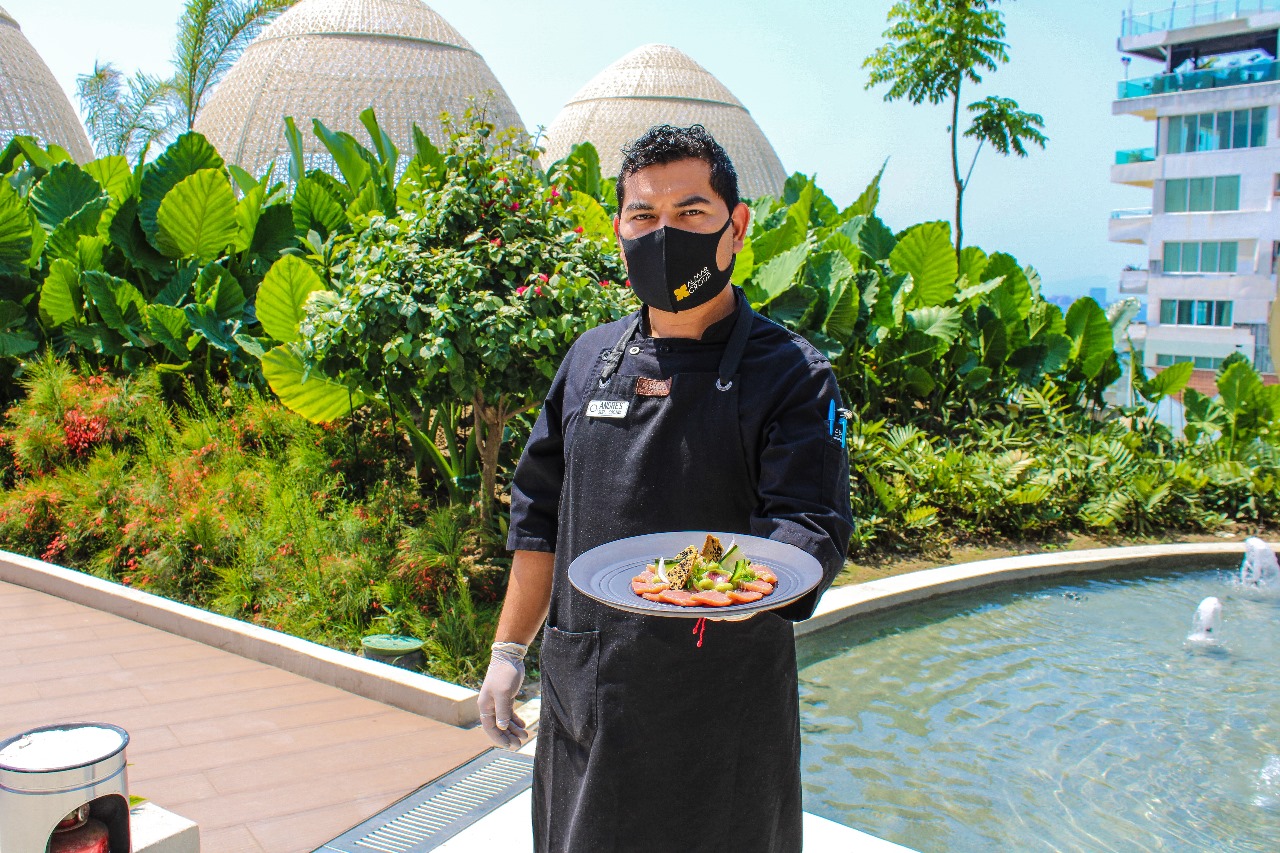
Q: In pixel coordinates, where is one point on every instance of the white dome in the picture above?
(31, 101)
(331, 60)
(658, 84)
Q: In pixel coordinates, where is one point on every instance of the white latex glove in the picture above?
(502, 682)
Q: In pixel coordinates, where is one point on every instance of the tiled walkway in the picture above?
(263, 760)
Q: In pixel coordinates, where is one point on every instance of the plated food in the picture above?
(712, 576)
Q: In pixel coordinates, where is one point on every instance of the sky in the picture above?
(797, 67)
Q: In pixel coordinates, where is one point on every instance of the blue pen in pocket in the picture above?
(831, 419)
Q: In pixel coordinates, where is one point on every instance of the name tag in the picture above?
(608, 408)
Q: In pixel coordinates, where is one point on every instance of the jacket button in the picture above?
(634, 350)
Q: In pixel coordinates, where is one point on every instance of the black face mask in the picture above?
(675, 270)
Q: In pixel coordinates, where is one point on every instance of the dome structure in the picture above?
(31, 101)
(658, 84)
(331, 60)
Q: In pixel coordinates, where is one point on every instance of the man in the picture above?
(653, 739)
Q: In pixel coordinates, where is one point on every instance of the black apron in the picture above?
(647, 740)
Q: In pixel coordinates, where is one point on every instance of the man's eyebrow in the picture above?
(693, 200)
(639, 205)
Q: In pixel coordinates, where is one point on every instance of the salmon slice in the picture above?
(711, 598)
(741, 596)
(655, 588)
(677, 596)
(764, 574)
(644, 577)
(757, 586)
(652, 596)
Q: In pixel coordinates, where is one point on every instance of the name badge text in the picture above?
(608, 408)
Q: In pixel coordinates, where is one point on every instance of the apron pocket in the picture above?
(835, 472)
(570, 663)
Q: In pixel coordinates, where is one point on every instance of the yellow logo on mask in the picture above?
(681, 292)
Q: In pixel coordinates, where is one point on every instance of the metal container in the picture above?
(48, 774)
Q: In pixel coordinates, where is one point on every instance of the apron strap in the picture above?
(737, 345)
(613, 357)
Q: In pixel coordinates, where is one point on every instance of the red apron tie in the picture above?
(700, 628)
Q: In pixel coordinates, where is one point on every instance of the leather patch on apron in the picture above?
(653, 387)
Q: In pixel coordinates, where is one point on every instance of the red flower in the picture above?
(578, 230)
(497, 241)
(555, 193)
(604, 283)
(520, 290)
(537, 291)
(515, 205)
(627, 283)
(542, 277)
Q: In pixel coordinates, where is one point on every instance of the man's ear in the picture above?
(617, 237)
(741, 218)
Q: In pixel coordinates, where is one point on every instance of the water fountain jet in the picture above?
(1207, 622)
(1259, 567)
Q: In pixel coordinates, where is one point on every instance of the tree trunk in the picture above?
(955, 166)
(489, 420)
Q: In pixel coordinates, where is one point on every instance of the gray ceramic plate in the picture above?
(605, 572)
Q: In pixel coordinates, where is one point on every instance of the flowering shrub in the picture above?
(469, 300)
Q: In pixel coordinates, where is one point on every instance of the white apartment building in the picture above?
(1212, 231)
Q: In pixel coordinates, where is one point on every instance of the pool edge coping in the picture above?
(400, 688)
(842, 603)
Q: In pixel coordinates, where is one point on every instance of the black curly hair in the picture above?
(666, 144)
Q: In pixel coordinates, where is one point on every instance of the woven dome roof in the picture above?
(331, 60)
(657, 84)
(31, 101)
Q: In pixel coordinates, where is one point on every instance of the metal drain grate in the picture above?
(439, 810)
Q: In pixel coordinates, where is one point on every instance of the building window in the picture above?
(1191, 258)
(1217, 131)
(1187, 195)
(1200, 362)
(1195, 312)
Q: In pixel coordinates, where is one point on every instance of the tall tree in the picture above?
(932, 48)
(124, 115)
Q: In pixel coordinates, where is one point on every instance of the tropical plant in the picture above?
(933, 47)
(124, 266)
(126, 114)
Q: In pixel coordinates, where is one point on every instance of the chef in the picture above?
(695, 413)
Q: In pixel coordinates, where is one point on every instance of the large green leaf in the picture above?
(1090, 333)
(275, 231)
(119, 304)
(66, 189)
(316, 398)
(842, 312)
(772, 242)
(169, 326)
(297, 156)
(248, 212)
(1237, 385)
(205, 322)
(127, 235)
(112, 174)
(347, 153)
(1167, 382)
(774, 278)
(190, 153)
(61, 300)
(15, 228)
(744, 263)
(875, 239)
(15, 339)
(941, 322)
(197, 219)
(591, 216)
(219, 290)
(865, 204)
(314, 209)
(388, 153)
(972, 262)
(795, 307)
(64, 242)
(925, 253)
(283, 294)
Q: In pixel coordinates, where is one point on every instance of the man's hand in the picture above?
(497, 696)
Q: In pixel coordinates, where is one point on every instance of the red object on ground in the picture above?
(92, 837)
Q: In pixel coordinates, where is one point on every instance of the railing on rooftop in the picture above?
(1192, 14)
(1131, 213)
(1267, 71)
(1135, 155)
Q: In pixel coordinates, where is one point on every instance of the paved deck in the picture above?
(263, 760)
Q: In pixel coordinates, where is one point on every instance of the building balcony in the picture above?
(1181, 16)
(1133, 281)
(1129, 226)
(1135, 167)
(1267, 71)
